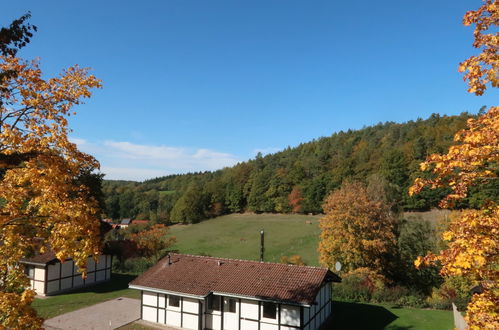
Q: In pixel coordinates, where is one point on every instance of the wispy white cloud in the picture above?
(130, 161)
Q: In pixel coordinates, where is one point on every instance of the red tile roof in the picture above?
(200, 276)
(40, 259)
(140, 222)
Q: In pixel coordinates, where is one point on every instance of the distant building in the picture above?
(125, 223)
(108, 220)
(49, 276)
(140, 222)
(194, 292)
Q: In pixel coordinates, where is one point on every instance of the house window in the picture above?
(269, 310)
(214, 303)
(174, 301)
(230, 305)
(29, 271)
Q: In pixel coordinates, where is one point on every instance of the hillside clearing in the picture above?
(238, 236)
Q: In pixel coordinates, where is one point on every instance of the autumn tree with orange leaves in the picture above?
(473, 238)
(41, 198)
(153, 240)
(357, 230)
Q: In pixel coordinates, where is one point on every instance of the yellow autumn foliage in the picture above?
(355, 230)
(39, 197)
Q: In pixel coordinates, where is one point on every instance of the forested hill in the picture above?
(296, 179)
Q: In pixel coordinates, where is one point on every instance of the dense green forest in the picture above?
(298, 179)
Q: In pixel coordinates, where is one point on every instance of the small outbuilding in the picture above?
(125, 223)
(197, 292)
(48, 276)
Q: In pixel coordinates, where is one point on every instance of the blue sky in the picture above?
(199, 85)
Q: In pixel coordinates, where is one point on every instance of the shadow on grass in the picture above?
(353, 316)
(117, 282)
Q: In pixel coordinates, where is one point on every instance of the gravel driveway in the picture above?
(110, 314)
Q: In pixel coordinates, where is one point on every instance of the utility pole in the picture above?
(262, 249)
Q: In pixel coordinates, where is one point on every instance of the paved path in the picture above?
(110, 314)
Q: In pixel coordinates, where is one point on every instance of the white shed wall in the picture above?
(57, 277)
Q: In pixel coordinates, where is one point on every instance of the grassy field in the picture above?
(382, 316)
(238, 236)
(118, 287)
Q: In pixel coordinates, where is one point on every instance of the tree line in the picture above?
(298, 179)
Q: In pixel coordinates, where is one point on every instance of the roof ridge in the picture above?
(245, 260)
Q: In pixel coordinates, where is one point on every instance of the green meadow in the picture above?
(238, 236)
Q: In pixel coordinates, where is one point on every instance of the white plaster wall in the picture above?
(53, 271)
(76, 269)
(173, 318)
(90, 264)
(101, 262)
(66, 283)
(38, 287)
(266, 326)
(67, 268)
(249, 309)
(191, 306)
(39, 274)
(306, 314)
(190, 321)
(249, 325)
(214, 322)
(149, 298)
(77, 281)
(290, 315)
(162, 301)
(149, 313)
(90, 278)
(52, 286)
(231, 320)
(161, 316)
(101, 275)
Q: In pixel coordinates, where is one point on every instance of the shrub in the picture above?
(359, 285)
(134, 266)
(416, 301)
(455, 289)
(390, 294)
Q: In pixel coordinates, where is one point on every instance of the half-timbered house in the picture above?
(48, 276)
(197, 292)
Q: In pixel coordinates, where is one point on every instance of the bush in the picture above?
(390, 294)
(455, 289)
(359, 285)
(416, 301)
(133, 266)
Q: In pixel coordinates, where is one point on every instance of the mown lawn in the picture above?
(238, 236)
(348, 316)
(118, 287)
